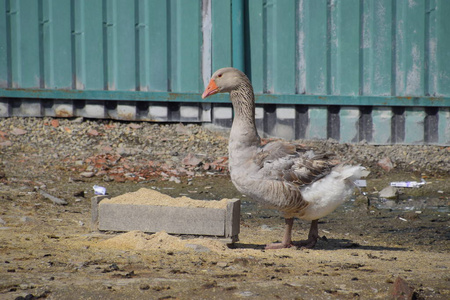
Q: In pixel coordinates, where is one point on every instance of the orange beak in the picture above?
(211, 89)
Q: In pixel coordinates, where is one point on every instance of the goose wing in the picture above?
(293, 164)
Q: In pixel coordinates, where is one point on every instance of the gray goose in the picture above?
(280, 175)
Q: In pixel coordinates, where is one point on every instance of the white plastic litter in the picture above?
(99, 190)
(408, 184)
(361, 183)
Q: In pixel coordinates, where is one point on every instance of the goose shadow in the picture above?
(327, 244)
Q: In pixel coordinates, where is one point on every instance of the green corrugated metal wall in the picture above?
(101, 45)
(346, 69)
(350, 47)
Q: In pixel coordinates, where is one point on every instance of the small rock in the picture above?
(245, 294)
(54, 123)
(107, 178)
(144, 287)
(222, 264)
(111, 268)
(191, 160)
(3, 136)
(386, 164)
(26, 219)
(6, 144)
(2, 221)
(198, 248)
(87, 174)
(78, 120)
(92, 132)
(174, 179)
(388, 192)
(107, 149)
(27, 297)
(134, 126)
(401, 290)
(209, 285)
(79, 194)
(18, 131)
(182, 130)
(265, 227)
(159, 288)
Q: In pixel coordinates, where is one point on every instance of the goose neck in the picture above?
(243, 130)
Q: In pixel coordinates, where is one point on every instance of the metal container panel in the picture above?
(350, 70)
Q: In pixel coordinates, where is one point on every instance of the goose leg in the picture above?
(312, 236)
(287, 238)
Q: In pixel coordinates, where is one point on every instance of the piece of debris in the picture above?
(388, 192)
(53, 198)
(87, 174)
(134, 126)
(360, 183)
(191, 160)
(92, 132)
(26, 219)
(54, 123)
(99, 190)
(175, 179)
(182, 130)
(6, 144)
(386, 164)
(408, 184)
(401, 290)
(79, 194)
(78, 120)
(18, 131)
(198, 248)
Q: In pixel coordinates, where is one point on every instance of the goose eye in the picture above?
(220, 75)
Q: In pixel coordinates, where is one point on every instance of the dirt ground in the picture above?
(49, 251)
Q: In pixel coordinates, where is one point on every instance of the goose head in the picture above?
(224, 80)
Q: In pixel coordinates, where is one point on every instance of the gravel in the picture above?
(138, 151)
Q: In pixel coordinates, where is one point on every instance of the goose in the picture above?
(280, 175)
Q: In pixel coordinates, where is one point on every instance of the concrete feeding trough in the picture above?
(150, 211)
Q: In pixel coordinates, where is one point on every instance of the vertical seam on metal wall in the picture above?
(297, 46)
(72, 44)
(426, 71)
(105, 45)
(169, 45)
(265, 58)
(137, 61)
(41, 44)
(394, 48)
(361, 48)
(328, 43)
(8, 44)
